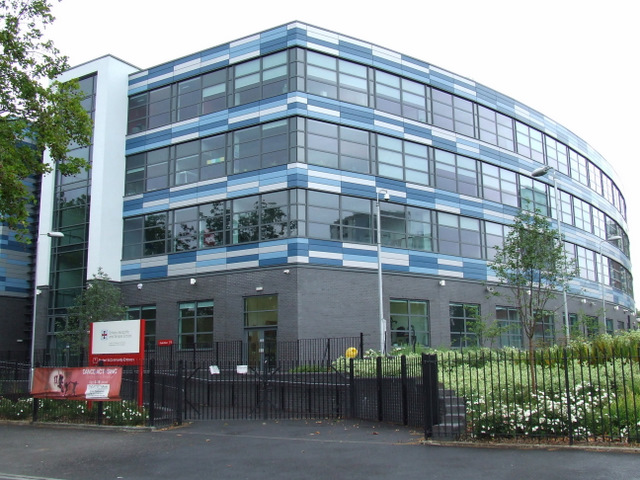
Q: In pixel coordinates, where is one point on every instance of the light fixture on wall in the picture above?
(193, 281)
(617, 307)
(259, 289)
(139, 286)
(442, 283)
(286, 272)
(584, 300)
(490, 289)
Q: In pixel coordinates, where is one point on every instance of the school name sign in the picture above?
(117, 343)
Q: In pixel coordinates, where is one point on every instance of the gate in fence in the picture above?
(410, 396)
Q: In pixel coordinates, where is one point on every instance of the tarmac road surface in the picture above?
(302, 449)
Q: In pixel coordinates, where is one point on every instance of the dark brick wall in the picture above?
(14, 315)
(316, 302)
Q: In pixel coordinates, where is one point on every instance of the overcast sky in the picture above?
(576, 61)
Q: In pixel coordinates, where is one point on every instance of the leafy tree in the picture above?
(486, 329)
(532, 265)
(36, 111)
(101, 301)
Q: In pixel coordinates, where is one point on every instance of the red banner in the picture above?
(82, 383)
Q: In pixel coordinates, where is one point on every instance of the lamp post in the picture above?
(604, 305)
(541, 172)
(383, 323)
(37, 292)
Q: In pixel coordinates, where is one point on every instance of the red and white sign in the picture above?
(81, 383)
(165, 343)
(117, 343)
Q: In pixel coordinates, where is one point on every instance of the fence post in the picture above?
(352, 390)
(361, 345)
(100, 404)
(379, 386)
(152, 392)
(180, 393)
(36, 404)
(405, 399)
(430, 392)
(566, 382)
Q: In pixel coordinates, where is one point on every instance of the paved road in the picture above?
(288, 450)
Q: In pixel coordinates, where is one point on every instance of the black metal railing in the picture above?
(570, 395)
(563, 394)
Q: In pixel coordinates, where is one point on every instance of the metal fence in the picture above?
(314, 350)
(571, 395)
(397, 390)
(566, 394)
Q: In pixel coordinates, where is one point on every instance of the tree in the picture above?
(532, 265)
(101, 301)
(36, 111)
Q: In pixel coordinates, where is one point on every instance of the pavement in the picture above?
(291, 449)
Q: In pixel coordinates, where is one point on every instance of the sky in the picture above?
(575, 61)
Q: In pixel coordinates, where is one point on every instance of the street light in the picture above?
(383, 323)
(604, 305)
(541, 172)
(37, 292)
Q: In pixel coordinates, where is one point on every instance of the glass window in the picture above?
(495, 128)
(322, 75)
(260, 78)
(336, 146)
(499, 185)
(195, 324)
(214, 224)
(261, 311)
(462, 317)
(409, 323)
(442, 109)
(403, 160)
(529, 142)
(544, 330)
(214, 91)
(261, 146)
(456, 173)
(156, 233)
(459, 236)
(185, 229)
(533, 195)
(148, 314)
(582, 215)
(578, 166)
(388, 93)
(557, 155)
(510, 328)
(595, 178)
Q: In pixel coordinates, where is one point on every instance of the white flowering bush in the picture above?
(123, 412)
(542, 414)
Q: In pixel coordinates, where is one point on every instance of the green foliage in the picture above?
(36, 112)
(533, 266)
(591, 388)
(124, 412)
(101, 301)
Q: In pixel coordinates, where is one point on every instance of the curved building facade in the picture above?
(254, 173)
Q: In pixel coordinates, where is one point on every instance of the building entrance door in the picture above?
(262, 348)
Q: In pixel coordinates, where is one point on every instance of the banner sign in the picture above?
(81, 383)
